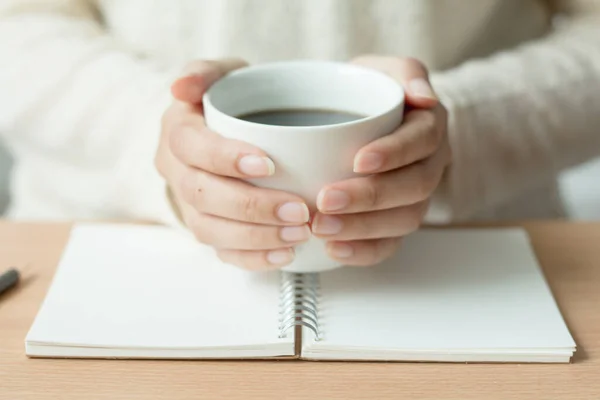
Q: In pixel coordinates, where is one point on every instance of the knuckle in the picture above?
(187, 186)
(428, 120)
(255, 261)
(372, 192)
(383, 249)
(377, 246)
(175, 117)
(370, 250)
(213, 159)
(177, 142)
(425, 183)
(247, 208)
(205, 65)
(258, 237)
(413, 219)
(210, 162)
(360, 225)
(410, 63)
(197, 67)
(224, 256)
(167, 118)
(431, 140)
(162, 161)
(201, 231)
(191, 191)
(235, 258)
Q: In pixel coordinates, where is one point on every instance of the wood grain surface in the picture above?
(569, 254)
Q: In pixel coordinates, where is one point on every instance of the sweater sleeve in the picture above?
(72, 94)
(518, 118)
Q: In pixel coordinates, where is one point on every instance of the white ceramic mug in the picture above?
(306, 157)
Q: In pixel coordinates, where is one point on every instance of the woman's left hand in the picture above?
(364, 218)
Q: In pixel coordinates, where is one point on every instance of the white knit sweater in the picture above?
(83, 85)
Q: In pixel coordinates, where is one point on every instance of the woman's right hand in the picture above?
(250, 227)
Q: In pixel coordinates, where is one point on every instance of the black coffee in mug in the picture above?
(300, 117)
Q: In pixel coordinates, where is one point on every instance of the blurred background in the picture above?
(544, 44)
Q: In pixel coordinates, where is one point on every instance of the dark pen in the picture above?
(8, 280)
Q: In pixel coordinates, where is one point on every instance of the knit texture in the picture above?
(83, 85)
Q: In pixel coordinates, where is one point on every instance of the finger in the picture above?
(238, 200)
(387, 190)
(199, 147)
(420, 136)
(198, 76)
(373, 225)
(258, 260)
(362, 253)
(195, 145)
(224, 233)
(409, 72)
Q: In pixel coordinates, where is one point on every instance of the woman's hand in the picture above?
(250, 227)
(363, 219)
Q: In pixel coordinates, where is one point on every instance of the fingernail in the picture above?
(332, 200)
(294, 212)
(294, 233)
(421, 88)
(280, 257)
(327, 225)
(368, 162)
(253, 165)
(340, 250)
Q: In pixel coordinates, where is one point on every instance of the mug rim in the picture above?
(209, 104)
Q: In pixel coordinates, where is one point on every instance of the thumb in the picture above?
(198, 76)
(410, 73)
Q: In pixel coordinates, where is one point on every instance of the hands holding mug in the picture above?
(251, 227)
(365, 218)
(362, 219)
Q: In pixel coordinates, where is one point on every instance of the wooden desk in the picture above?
(569, 254)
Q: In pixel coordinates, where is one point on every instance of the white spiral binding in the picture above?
(299, 303)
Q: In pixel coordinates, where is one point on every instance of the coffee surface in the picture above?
(300, 117)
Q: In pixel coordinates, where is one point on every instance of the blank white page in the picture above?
(122, 286)
(445, 291)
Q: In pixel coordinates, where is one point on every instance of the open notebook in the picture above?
(449, 295)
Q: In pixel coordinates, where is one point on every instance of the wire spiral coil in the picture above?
(299, 303)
